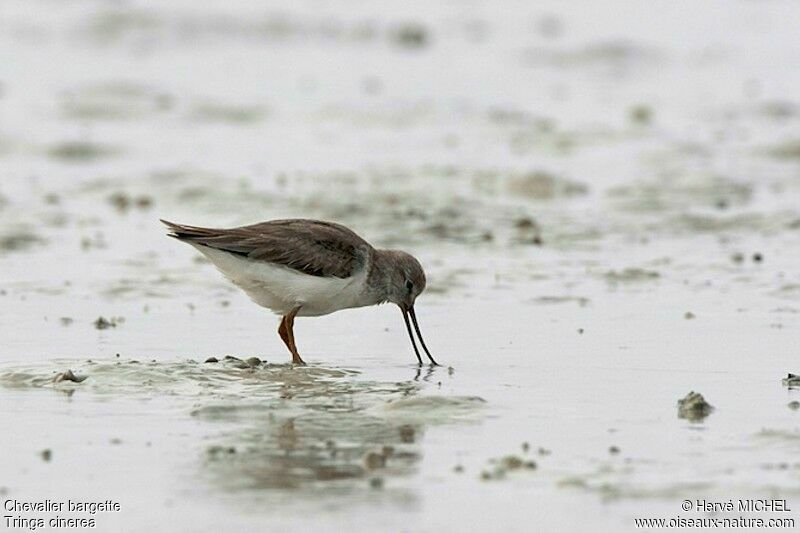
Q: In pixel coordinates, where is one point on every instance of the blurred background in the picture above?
(605, 196)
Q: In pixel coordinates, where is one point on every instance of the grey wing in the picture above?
(313, 247)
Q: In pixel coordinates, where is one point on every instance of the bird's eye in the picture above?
(409, 285)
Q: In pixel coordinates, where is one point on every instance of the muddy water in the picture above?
(605, 199)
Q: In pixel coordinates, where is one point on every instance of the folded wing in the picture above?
(313, 247)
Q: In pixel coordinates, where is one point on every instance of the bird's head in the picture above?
(406, 281)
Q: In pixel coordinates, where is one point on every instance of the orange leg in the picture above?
(286, 331)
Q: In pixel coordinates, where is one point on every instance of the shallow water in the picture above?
(605, 199)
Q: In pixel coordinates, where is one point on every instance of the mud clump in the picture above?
(641, 114)
(253, 362)
(223, 113)
(528, 231)
(788, 150)
(242, 364)
(216, 450)
(80, 151)
(791, 380)
(542, 185)
(374, 461)
(68, 376)
(631, 275)
(105, 323)
(694, 407)
(411, 35)
(504, 465)
(793, 405)
(21, 240)
(407, 434)
(123, 201)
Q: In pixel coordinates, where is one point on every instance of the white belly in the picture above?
(282, 289)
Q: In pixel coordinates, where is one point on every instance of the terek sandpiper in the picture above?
(301, 267)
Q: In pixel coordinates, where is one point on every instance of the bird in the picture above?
(303, 267)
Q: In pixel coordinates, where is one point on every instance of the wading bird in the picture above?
(301, 267)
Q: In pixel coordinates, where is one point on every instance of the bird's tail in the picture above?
(183, 232)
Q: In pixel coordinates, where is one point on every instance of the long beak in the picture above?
(419, 335)
(411, 335)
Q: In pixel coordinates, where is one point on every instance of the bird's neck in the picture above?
(381, 268)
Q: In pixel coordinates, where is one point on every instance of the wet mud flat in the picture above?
(607, 214)
(267, 434)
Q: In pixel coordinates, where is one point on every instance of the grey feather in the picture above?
(313, 247)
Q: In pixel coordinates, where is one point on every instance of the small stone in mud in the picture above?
(486, 476)
(512, 462)
(66, 321)
(738, 257)
(632, 275)
(580, 331)
(757, 257)
(79, 151)
(104, 323)
(458, 469)
(613, 450)
(411, 35)
(525, 223)
(120, 200)
(46, 454)
(211, 360)
(694, 407)
(68, 376)
(376, 483)
(52, 198)
(641, 114)
(688, 315)
(543, 451)
(374, 461)
(407, 434)
(791, 380)
(221, 450)
(526, 447)
(794, 405)
(115, 441)
(123, 201)
(144, 202)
